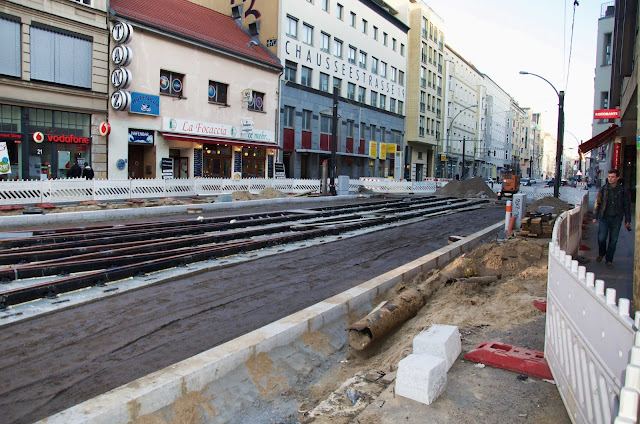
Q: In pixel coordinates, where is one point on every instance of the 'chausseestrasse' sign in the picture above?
(209, 129)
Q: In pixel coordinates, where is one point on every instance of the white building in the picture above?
(496, 123)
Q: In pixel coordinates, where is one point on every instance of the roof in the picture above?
(196, 23)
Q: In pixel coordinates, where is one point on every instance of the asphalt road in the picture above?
(52, 362)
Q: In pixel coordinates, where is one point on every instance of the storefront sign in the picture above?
(121, 78)
(5, 165)
(373, 149)
(122, 32)
(11, 137)
(146, 104)
(121, 55)
(38, 137)
(391, 149)
(120, 100)
(186, 126)
(616, 154)
(606, 114)
(166, 164)
(383, 151)
(104, 129)
(68, 139)
(140, 136)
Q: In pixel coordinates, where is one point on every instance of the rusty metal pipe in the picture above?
(392, 313)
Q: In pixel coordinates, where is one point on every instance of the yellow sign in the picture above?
(443, 158)
(373, 149)
(383, 151)
(391, 149)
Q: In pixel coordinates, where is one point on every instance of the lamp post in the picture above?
(449, 135)
(560, 139)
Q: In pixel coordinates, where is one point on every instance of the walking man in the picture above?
(612, 206)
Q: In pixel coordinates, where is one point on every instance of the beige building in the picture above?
(53, 86)
(192, 94)
(425, 86)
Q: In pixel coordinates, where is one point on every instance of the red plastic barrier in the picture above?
(512, 358)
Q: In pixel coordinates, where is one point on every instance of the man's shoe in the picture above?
(609, 265)
(599, 259)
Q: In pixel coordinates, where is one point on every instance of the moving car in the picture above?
(525, 181)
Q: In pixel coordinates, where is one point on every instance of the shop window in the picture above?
(10, 35)
(61, 58)
(257, 102)
(218, 92)
(171, 83)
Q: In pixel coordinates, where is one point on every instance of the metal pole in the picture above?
(334, 143)
(560, 145)
(464, 143)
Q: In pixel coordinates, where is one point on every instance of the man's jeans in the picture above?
(608, 225)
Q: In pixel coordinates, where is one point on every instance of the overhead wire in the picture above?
(573, 21)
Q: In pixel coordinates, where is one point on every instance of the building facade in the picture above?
(496, 123)
(192, 94)
(53, 87)
(463, 140)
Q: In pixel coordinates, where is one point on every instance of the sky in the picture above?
(503, 37)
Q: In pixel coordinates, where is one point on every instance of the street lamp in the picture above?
(560, 140)
(449, 135)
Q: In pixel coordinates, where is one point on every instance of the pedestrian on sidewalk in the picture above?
(87, 172)
(612, 206)
(75, 171)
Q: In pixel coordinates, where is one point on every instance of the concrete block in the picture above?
(442, 341)
(421, 377)
(224, 198)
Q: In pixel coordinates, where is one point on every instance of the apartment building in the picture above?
(520, 156)
(496, 123)
(53, 87)
(426, 67)
(358, 46)
(193, 94)
(465, 98)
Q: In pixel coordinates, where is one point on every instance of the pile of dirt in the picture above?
(474, 187)
(559, 206)
(271, 193)
(477, 309)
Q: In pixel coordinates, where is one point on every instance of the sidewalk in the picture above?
(620, 277)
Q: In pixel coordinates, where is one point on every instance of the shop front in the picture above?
(43, 143)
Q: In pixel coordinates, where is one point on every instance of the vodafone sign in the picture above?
(38, 137)
(105, 129)
(606, 114)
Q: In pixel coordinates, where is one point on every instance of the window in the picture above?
(351, 91)
(288, 118)
(352, 54)
(324, 41)
(337, 47)
(425, 25)
(375, 32)
(325, 5)
(363, 129)
(364, 26)
(383, 101)
(394, 73)
(363, 60)
(257, 102)
(374, 98)
(400, 107)
(352, 19)
(171, 83)
(383, 69)
(384, 38)
(392, 105)
(374, 65)
(87, 2)
(337, 82)
(10, 36)
(604, 99)
(393, 44)
(306, 120)
(339, 11)
(290, 70)
(292, 27)
(422, 102)
(60, 58)
(606, 51)
(423, 79)
(401, 49)
(350, 125)
(305, 76)
(307, 34)
(326, 126)
(218, 92)
(374, 133)
(401, 78)
(362, 92)
(323, 84)
(421, 126)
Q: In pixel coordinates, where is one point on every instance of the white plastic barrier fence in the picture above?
(588, 338)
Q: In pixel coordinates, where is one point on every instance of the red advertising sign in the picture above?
(4, 136)
(606, 114)
(616, 155)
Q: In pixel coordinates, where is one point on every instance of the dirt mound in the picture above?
(271, 193)
(243, 195)
(473, 187)
(558, 205)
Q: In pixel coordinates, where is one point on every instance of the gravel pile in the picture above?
(474, 187)
(558, 205)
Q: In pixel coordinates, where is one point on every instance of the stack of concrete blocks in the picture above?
(422, 376)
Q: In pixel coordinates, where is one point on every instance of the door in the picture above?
(136, 161)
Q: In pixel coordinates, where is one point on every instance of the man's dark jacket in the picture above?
(622, 201)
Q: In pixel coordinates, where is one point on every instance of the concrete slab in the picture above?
(421, 377)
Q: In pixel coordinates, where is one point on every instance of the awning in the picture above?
(603, 138)
(218, 140)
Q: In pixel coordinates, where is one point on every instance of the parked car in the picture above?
(525, 181)
(532, 181)
(562, 183)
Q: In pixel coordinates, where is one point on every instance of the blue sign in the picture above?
(140, 136)
(146, 104)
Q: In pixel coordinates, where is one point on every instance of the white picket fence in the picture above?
(77, 190)
(589, 340)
